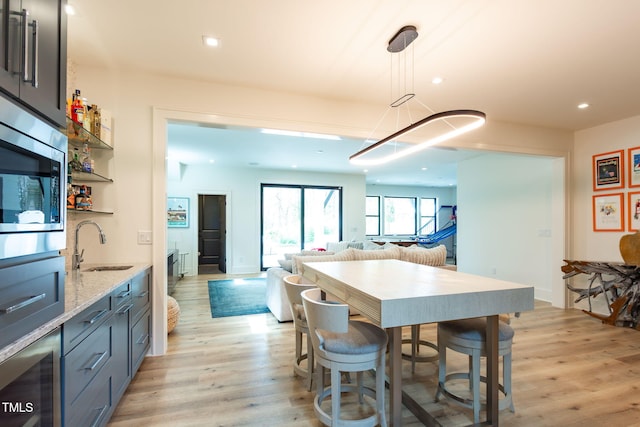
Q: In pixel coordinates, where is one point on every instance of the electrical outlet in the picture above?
(144, 238)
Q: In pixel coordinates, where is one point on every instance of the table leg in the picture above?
(395, 375)
(492, 370)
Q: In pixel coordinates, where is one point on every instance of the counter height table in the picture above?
(393, 293)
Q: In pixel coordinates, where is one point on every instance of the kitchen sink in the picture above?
(109, 268)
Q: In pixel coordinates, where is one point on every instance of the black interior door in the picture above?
(211, 231)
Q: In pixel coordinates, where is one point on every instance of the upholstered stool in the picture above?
(344, 345)
(416, 344)
(294, 288)
(468, 336)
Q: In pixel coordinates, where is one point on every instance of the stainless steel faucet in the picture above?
(77, 257)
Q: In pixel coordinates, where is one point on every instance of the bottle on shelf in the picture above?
(77, 109)
(83, 199)
(86, 158)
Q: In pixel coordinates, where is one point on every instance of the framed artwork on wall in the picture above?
(634, 166)
(608, 212)
(178, 212)
(608, 170)
(633, 204)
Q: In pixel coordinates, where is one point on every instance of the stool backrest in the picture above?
(324, 315)
(294, 287)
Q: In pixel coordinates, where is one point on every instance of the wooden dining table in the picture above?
(393, 293)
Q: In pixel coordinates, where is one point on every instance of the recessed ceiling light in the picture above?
(69, 10)
(437, 80)
(424, 169)
(210, 41)
(583, 105)
(211, 161)
(294, 166)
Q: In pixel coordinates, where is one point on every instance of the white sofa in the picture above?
(277, 296)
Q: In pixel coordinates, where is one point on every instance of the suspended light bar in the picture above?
(478, 116)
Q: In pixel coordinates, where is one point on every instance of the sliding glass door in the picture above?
(296, 217)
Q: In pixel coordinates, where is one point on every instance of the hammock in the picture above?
(443, 233)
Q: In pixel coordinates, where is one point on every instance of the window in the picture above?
(427, 216)
(296, 217)
(372, 213)
(399, 215)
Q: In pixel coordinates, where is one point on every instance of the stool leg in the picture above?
(380, 391)
(310, 364)
(506, 378)
(442, 366)
(415, 345)
(475, 374)
(336, 378)
(298, 347)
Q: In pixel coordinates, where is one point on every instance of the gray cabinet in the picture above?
(87, 350)
(33, 55)
(103, 347)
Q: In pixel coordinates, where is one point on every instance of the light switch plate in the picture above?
(144, 238)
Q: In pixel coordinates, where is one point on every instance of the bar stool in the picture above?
(416, 343)
(294, 288)
(344, 345)
(468, 336)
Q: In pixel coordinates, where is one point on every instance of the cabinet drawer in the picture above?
(93, 407)
(140, 340)
(140, 294)
(31, 294)
(85, 361)
(121, 295)
(75, 329)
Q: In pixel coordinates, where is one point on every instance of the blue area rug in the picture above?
(237, 297)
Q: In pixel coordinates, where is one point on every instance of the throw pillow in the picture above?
(299, 260)
(392, 252)
(368, 245)
(337, 246)
(286, 264)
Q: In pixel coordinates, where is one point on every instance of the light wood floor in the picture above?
(568, 370)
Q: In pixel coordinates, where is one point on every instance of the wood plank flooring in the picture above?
(568, 370)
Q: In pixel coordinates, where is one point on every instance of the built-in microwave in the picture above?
(32, 184)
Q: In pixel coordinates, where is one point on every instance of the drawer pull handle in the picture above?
(143, 294)
(23, 304)
(96, 420)
(97, 362)
(95, 318)
(143, 339)
(125, 309)
(124, 294)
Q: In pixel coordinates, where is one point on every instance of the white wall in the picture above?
(505, 225)
(587, 243)
(242, 188)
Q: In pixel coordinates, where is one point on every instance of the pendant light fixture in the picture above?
(456, 122)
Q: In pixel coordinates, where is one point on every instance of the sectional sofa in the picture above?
(294, 264)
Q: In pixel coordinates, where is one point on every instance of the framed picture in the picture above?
(634, 166)
(608, 170)
(608, 212)
(634, 210)
(178, 212)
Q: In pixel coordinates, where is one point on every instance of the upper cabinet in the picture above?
(33, 55)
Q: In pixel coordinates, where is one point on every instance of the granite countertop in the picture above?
(81, 289)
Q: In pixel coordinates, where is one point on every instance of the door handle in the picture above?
(34, 59)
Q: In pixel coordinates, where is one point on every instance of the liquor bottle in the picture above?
(86, 158)
(77, 109)
(86, 123)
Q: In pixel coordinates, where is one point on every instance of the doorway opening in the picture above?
(212, 234)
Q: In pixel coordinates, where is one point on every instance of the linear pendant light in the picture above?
(399, 42)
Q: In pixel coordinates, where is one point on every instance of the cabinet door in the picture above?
(10, 43)
(121, 362)
(46, 58)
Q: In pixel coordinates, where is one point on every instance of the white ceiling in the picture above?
(521, 61)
